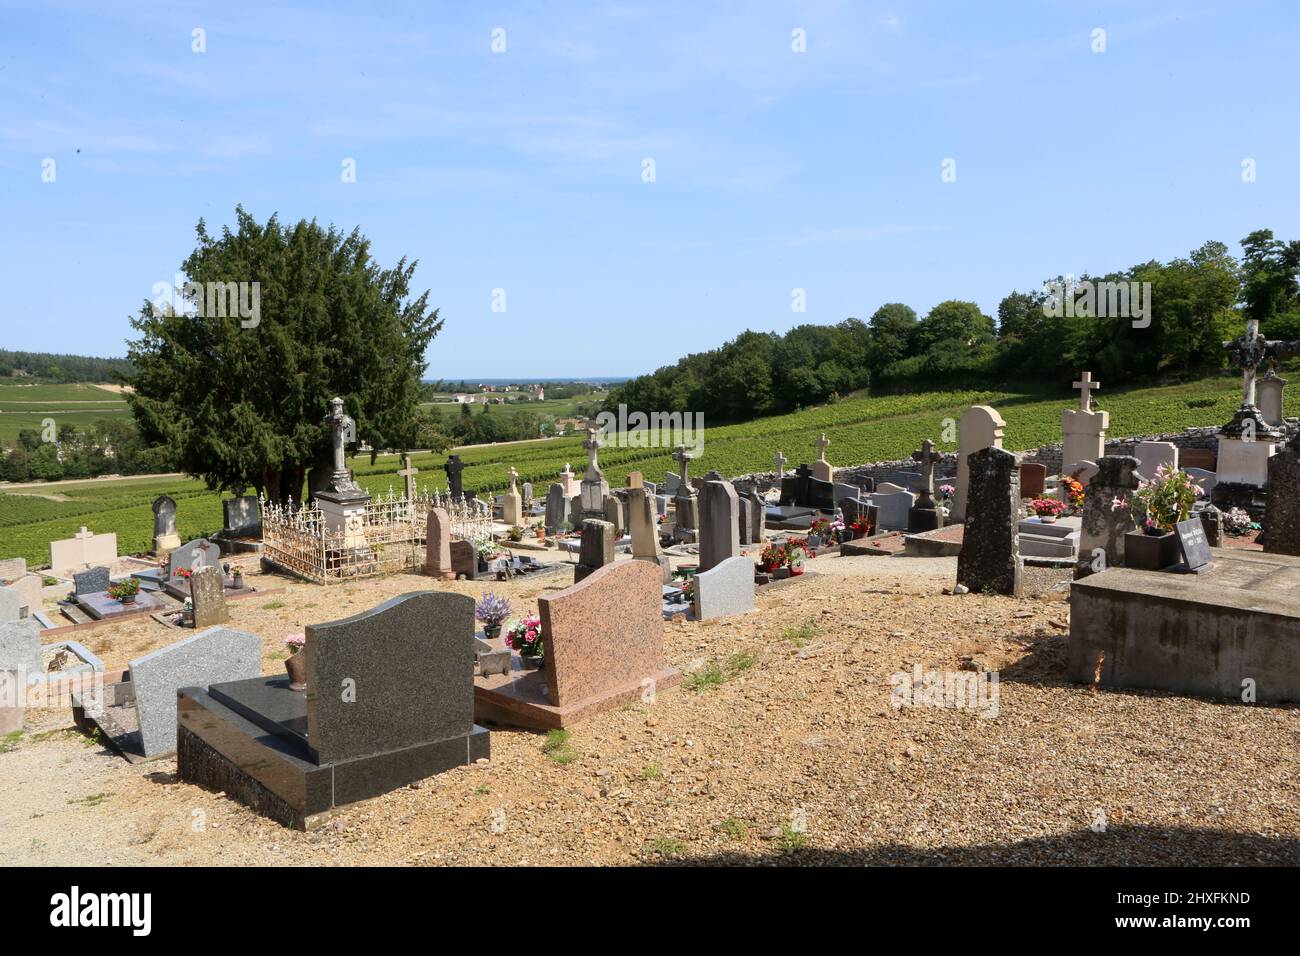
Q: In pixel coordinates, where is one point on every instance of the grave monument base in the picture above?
(248, 738)
(520, 699)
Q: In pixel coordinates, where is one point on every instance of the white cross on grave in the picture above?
(821, 443)
(1087, 386)
(780, 465)
(409, 472)
(83, 533)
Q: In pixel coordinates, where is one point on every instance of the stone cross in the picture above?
(927, 458)
(682, 458)
(592, 444)
(780, 465)
(514, 475)
(1248, 353)
(83, 533)
(408, 472)
(821, 444)
(1087, 386)
(341, 426)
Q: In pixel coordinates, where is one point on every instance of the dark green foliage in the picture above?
(244, 406)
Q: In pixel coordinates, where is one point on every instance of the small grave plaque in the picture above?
(1195, 546)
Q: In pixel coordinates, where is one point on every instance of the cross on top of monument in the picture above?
(409, 472)
(514, 475)
(682, 457)
(821, 443)
(780, 465)
(592, 444)
(927, 458)
(342, 428)
(1086, 387)
(1248, 353)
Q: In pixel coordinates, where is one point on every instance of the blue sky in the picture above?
(523, 170)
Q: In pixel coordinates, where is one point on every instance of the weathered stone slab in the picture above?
(11, 569)
(557, 509)
(1281, 524)
(208, 592)
(243, 516)
(11, 605)
(437, 545)
(464, 559)
(1205, 634)
(1104, 525)
(212, 656)
(719, 524)
(596, 549)
(895, 508)
(90, 580)
(980, 427)
(990, 552)
(20, 646)
(1155, 454)
(726, 589)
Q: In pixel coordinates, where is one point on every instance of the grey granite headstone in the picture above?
(1192, 541)
(990, 549)
(557, 508)
(194, 554)
(212, 656)
(20, 646)
(1104, 525)
(894, 508)
(1281, 524)
(727, 588)
(395, 676)
(672, 484)
(208, 592)
(719, 537)
(243, 518)
(90, 581)
(596, 548)
(164, 516)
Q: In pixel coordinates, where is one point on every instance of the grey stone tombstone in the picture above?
(20, 646)
(1102, 530)
(199, 553)
(1151, 455)
(409, 665)
(212, 656)
(1193, 542)
(453, 467)
(895, 508)
(725, 589)
(1204, 478)
(528, 493)
(719, 537)
(164, 516)
(11, 605)
(596, 549)
(615, 514)
(464, 559)
(90, 581)
(208, 593)
(990, 550)
(672, 484)
(243, 517)
(1269, 394)
(557, 508)
(1212, 521)
(1281, 524)
(843, 491)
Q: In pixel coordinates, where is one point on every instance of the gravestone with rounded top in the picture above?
(725, 589)
(980, 427)
(164, 525)
(437, 545)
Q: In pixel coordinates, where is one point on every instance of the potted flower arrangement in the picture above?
(492, 610)
(525, 636)
(796, 556)
(1237, 522)
(125, 591)
(773, 557)
(237, 577)
(1158, 505)
(819, 531)
(540, 531)
(296, 663)
(515, 533)
(1072, 494)
(860, 528)
(1047, 509)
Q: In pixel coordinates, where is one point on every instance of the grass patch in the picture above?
(10, 741)
(800, 637)
(791, 840)
(652, 771)
(666, 849)
(557, 748)
(482, 791)
(735, 828)
(94, 800)
(272, 605)
(717, 672)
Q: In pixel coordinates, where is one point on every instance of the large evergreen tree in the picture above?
(244, 405)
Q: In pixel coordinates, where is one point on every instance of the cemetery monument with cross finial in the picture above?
(409, 472)
(343, 503)
(686, 505)
(595, 489)
(1083, 429)
(1248, 441)
(780, 465)
(925, 515)
(821, 468)
(512, 504)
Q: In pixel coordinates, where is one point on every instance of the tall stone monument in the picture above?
(1083, 430)
(343, 502)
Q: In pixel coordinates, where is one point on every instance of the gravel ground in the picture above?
(795, 755)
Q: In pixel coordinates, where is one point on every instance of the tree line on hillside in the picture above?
(1195, 304)
(48, 367)
(107, 446)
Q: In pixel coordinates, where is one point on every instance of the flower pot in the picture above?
(532, 662)
(128, 599)
(1047, 519)
(491, 631)
(1150, 552)
(296, 665)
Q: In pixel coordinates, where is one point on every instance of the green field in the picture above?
(28, 406)
(860, 429)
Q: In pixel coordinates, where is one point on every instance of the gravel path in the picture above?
(798, 756)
